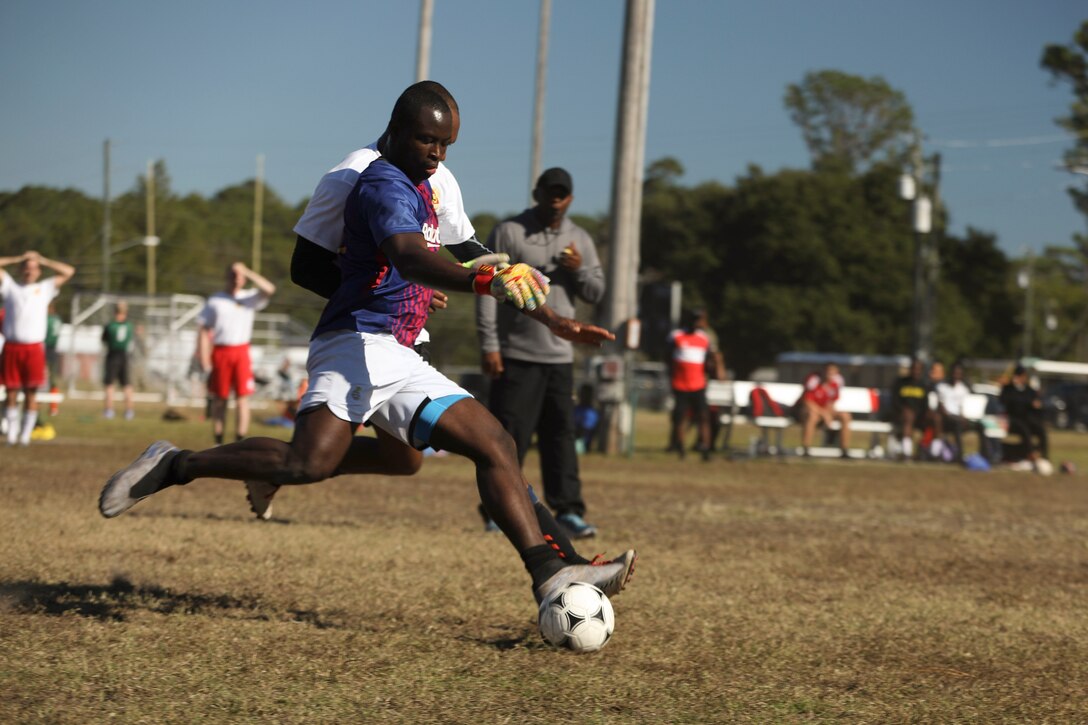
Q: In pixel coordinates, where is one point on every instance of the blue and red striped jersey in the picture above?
(372, 296)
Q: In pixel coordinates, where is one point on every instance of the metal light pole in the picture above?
(629, 154)
(538, 102)
(107, 227)
(423, 51)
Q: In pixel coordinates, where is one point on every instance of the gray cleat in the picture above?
(137, 480)
(610, 576)
(260, 494)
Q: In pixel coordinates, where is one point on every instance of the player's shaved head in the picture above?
(440, 90)
(416, 100)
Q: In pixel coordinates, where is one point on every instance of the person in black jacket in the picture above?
(1025, 410)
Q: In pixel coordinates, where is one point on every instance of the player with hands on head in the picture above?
(26, 312)
(362, 369)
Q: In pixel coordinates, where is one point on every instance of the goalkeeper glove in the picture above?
(527, 288)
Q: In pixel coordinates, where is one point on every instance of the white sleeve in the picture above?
(323, 221)
(454, 226)
(206, 318)
(254, 299)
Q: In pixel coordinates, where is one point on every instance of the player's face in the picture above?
(417, 150)
(552, 204)
(31, 271)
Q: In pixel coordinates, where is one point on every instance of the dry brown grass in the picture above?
(765, 592)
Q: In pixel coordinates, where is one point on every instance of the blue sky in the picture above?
(207, 86)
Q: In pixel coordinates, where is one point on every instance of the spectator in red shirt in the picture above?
(817, 405)
(690, 348)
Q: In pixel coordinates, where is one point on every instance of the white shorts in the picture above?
(372, 378)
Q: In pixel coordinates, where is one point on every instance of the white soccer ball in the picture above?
(578, 618)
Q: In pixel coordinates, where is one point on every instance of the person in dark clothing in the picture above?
(1025, 410)
(910, 405)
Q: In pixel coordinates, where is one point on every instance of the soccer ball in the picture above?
(578, 618)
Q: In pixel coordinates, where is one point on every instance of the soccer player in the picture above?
(315, 266)
(22, 365)
(226, 326)
(117, 336)
(361, 366)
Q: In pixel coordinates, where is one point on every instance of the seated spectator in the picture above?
(910, 406)
(951, 395)
(817, 406)
(1025, 410)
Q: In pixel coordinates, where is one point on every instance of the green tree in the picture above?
(1069, 63)
(848, 121)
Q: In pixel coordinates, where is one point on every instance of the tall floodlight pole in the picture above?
(423, 50)
(107, 228)
(150, 240)
(627, 175)
(258, 213)
(538, 101)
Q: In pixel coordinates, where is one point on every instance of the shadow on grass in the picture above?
(235, 518)
(115, 601)
(503, 643)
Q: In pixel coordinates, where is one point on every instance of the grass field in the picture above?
(765, 592)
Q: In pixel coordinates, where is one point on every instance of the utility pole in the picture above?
(538, 102)
(107, 228)
(258, 213)
(628, 159)
(423, 50)
(150, 240)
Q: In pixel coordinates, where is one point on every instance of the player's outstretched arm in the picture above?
(570, 329)
(520, 284)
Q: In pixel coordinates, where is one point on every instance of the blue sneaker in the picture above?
(576, 526)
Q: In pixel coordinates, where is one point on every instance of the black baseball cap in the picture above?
(555, 176)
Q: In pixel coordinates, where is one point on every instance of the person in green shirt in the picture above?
(52, 334)
(117, 336)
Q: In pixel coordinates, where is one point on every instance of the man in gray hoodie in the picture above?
(531, 370)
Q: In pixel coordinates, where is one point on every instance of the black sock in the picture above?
(555, 536)
(175, 475)
(238, 438)
(541, 563)
(218, 439)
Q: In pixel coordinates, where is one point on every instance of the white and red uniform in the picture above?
(689, 351)
(26, 307)
(823, 393)
(229, 319)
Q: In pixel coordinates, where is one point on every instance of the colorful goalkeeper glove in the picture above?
(527, 288)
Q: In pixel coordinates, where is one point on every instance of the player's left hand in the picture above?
(439, 301)
(579, 332)
(526, 287)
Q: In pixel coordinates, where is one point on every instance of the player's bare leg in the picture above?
(382, 455)
(242, 415)
(320, 441)
(218, 414)
(468, 429)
